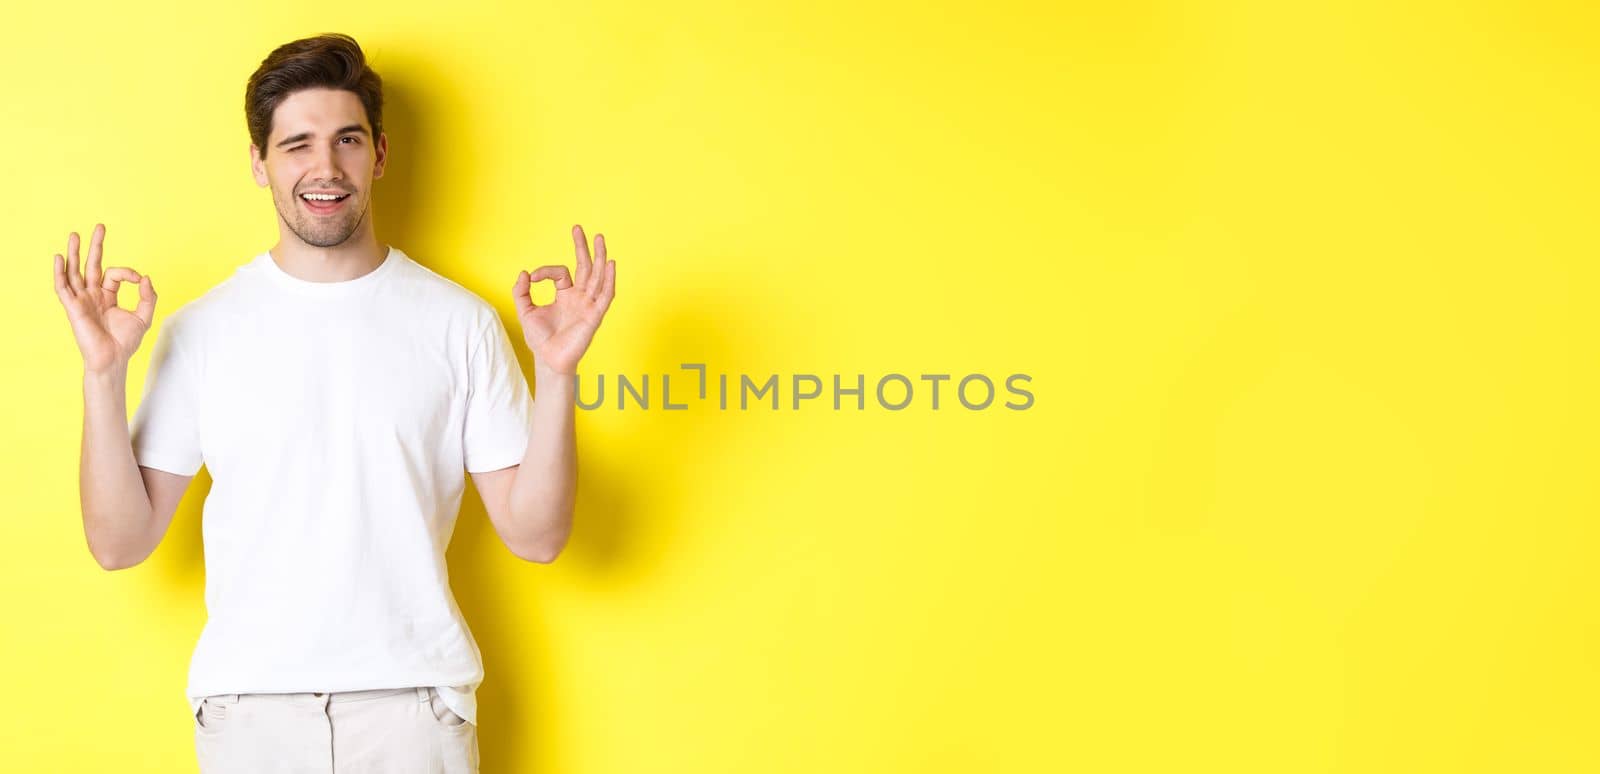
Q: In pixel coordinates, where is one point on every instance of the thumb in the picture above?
(146, 310)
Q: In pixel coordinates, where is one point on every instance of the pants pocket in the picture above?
(441, 712)
(213, 714)
(456, 739)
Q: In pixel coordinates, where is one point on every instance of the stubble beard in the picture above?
(322, 232)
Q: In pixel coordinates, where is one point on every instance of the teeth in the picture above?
(322, 197)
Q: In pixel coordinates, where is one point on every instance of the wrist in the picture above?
(115, 376)
(545, 374)
(550, 384)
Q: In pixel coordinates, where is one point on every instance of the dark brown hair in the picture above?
(330, 61)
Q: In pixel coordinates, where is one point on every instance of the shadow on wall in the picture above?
(400, 211)
(650, 474)
(705, 323)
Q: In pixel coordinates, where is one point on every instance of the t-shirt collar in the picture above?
(270, 268)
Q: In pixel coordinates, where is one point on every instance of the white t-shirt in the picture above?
(336, 419)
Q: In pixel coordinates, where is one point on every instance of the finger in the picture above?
(555, 272)
(522, 293)
(63, 290)
(146, 310)
(95, 240)
(609, 291)
(114, 277)
(583, 266)
(598, 270)
(581, 247)
(74, 275)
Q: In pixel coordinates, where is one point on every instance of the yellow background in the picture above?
(1306, 291)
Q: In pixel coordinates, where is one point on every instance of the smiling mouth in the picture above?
(323, 203)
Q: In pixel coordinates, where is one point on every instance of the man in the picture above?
(335, 389)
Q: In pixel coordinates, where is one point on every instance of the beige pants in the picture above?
(393, 731)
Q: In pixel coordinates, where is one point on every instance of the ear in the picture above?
(383, 154)
(258, 168)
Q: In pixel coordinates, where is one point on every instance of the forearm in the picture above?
(545, 488)
(116, 507)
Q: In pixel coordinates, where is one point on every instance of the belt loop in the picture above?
(422, 693)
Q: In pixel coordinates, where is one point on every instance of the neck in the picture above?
(359, 254)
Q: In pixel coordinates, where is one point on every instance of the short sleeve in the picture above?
(165, 432)
(499, 415)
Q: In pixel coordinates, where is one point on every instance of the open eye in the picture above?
(354, 139)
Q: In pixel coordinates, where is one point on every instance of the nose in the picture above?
(325, 166)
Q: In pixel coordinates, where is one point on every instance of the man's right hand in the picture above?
(107, 334)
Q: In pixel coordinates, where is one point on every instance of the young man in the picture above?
(335, 389)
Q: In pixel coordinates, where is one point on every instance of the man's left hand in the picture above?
(558, 333)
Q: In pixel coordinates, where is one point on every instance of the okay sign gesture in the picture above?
(558, 333)
(107, 334)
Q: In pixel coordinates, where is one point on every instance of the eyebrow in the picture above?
(307, 135)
